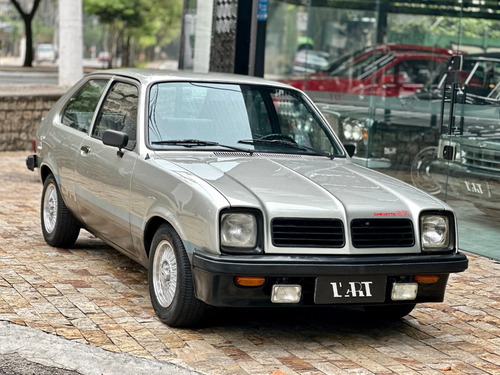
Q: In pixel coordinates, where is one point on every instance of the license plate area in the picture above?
(350, 289)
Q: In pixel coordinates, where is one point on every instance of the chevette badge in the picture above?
(397, 213)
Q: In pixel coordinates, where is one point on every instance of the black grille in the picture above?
(486, 160)
(382, 233)
(299, 232)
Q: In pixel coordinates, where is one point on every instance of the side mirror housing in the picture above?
(115, 138)
(350, 148)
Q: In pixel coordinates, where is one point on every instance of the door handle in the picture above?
(85, 149)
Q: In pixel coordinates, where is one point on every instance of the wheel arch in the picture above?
(45, 171)
(151, 227)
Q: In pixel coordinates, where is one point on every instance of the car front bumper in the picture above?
(214, 275)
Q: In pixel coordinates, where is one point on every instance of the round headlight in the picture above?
(348, 131)
(357, 133)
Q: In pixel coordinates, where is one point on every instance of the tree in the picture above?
(27, 19)
(137, 25)
(116, 13)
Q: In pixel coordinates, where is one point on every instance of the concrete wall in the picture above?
(19, 118)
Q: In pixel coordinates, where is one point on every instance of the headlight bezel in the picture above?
(449, 237)
(231, 247)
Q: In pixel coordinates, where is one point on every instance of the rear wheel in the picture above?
(59, 227)
(171, 282)
(389, 312)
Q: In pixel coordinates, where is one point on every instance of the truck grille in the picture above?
(382, 233)
(486, 160)
(298, 232)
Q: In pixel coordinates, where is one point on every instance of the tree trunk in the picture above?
(111, 44)
(27, 19)
(126, 61)
(28, 56)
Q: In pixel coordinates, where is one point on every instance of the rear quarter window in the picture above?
(80, 109)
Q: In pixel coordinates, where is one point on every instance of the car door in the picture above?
(71, 126)
(103, 173)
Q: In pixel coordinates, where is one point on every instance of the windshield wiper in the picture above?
(199, 143)
(285, 143)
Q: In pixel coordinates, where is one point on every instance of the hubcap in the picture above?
(50, 204)
(165, 273)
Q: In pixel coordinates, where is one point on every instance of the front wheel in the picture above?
(171, 282)
(59, 227)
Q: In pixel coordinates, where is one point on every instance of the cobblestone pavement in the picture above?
(93, 295)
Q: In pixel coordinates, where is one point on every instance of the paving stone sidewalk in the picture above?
(93, 295)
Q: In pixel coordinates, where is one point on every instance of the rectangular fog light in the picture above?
(286, 293)
(404, 291)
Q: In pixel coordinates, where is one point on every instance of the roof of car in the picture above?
(147, 76)
(486, 56)
(401, 48)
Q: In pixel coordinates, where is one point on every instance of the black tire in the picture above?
(389, 312)
(171, 281)
(59, 226)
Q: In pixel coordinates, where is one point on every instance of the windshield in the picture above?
(231, 116)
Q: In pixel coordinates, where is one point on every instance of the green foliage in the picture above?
(146, 23)
(43, 33)
(415, 29)
(108, 11)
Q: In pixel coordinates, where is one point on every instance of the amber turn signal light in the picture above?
(426, 279)
(249, 280)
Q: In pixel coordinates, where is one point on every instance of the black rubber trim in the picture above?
(304, 266)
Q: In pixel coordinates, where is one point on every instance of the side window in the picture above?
(412, 71)
(119, 112)
(257, 113)
(80, 109)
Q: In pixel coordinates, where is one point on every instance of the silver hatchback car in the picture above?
(234, 191)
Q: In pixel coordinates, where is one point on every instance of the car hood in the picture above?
(304, 186)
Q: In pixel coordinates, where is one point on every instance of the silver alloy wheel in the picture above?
(50, 206)
(165, 273)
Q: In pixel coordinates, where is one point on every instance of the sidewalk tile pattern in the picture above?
(94, 295)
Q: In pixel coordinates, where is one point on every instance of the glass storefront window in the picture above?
(378, 71)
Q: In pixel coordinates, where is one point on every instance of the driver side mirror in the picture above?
(115, 138)
(350, 148)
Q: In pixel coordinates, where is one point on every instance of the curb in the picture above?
(53, 351)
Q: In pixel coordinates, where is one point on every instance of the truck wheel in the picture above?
(59, 227)
(420, 170)
(171, 282)
(389, 312)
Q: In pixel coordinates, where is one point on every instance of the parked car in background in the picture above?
(45, 53)
(350, 58)
(363, 98)
(103, 56)
(466, 163)
(234, 192)
(310, 61)
(387, 71)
